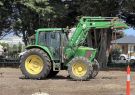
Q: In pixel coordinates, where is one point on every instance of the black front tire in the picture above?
(84, 62)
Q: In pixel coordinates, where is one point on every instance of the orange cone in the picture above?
(128, 81)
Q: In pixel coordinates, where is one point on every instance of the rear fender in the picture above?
(45, 49)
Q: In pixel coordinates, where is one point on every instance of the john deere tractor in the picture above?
(53, 51)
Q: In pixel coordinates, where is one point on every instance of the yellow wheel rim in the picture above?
(34, 64)
(79, 69)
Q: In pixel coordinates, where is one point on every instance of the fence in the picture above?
(10, 55)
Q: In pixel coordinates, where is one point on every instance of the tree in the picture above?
(34, 14)
(25, 16)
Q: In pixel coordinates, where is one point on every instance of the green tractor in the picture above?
(53, 51)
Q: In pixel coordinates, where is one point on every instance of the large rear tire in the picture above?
(96, 69)
(80, 69)
(35, 64)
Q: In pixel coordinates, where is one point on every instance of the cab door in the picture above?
(52, 41)
(54, 45)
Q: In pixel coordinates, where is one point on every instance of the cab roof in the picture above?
(49, 29)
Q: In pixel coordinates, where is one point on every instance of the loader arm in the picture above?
(84, 26)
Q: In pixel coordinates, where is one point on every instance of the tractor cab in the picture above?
(54, 39)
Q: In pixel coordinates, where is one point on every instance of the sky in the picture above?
(129, 31)
(12, 39)
(8, 36)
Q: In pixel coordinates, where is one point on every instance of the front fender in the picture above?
(45, 49)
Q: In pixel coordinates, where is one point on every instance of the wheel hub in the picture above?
(79, 69)
(34, 64)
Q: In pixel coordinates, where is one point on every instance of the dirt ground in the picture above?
(106, 83)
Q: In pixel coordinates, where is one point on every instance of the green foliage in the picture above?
(115, 54)
(4, 44)
(12, 50)
(41, 7)
(129, 5)
(98, 7)
(20, 47)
